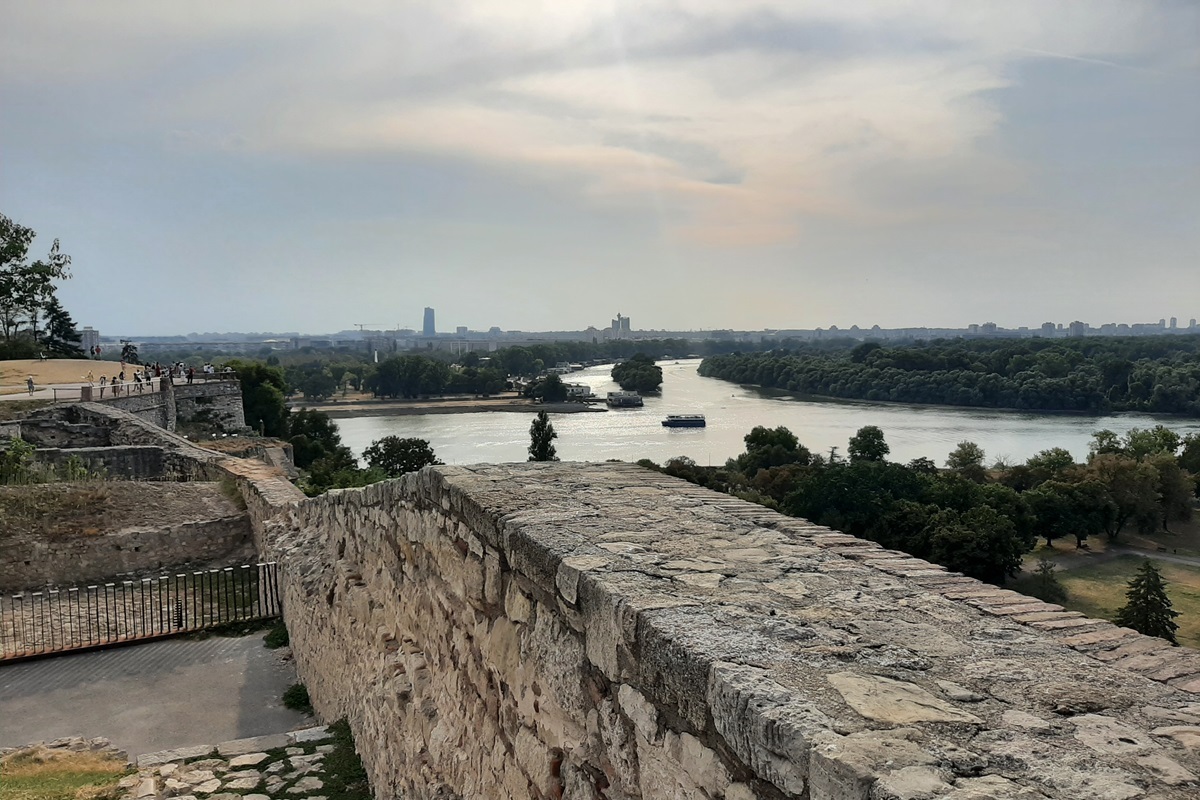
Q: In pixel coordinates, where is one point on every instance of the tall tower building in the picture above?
(429, 329)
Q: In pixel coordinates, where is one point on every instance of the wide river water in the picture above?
(731, 411)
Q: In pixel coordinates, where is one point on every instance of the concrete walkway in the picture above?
(150, 697)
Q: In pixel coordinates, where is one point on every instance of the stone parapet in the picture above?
(589, 631)
(216, 402)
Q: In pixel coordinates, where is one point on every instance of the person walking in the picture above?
(29, 384)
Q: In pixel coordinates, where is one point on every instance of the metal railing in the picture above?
(78, 618)
(130, 388)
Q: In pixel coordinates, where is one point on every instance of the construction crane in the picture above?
(361, 325)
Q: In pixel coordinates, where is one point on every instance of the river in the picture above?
(731, 411)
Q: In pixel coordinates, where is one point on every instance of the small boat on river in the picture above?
(684, 421)
(624, 400)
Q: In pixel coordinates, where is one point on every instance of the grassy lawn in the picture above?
(1098, 589)
(36, 774)
(1183, 539)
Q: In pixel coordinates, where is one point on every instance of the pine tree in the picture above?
(1046, 585)
(1147, 608)
(541, 439)
(61, 336)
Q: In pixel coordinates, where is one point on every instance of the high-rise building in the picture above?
(89, 340)
(620, 327)
(429, 329)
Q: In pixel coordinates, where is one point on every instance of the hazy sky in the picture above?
(250, 165)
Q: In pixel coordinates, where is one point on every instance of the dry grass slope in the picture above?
(38, 774)
(52, 371)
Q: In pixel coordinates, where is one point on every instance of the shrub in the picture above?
(296, 698)
(277, 637)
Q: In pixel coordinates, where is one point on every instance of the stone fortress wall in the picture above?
(219, 402)
(148, 549)
(602, 631)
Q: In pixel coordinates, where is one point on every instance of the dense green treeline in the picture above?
(1155, 374)
(969, 518)
(638, 373)
(435, 372)
(438, 372)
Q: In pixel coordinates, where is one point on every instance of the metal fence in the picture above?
(74, 393)
(62, 620)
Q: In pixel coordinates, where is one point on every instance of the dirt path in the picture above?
(1087, 558)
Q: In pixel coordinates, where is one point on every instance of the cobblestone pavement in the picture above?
(148, 697)
(284, 766)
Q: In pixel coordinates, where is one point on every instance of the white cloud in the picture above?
(740, 120)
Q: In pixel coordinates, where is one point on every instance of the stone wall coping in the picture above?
(815, 658)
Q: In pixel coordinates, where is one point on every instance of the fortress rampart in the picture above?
(602, 631)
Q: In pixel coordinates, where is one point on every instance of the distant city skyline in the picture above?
(622, 327)
(304, 165)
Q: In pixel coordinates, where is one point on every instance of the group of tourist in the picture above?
(142, 377)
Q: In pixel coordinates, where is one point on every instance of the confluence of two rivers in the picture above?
(731, 411)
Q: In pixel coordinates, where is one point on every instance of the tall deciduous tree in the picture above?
(967, 460)
(868, 445)
(396, 456)
(263, 391)
(1147, 607)
(26, 288)
(771, 447)
(541, 439)
(1132, 488)
(312, 435)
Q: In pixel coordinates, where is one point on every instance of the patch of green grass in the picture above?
(229, 488)
(277, 636)
(38, 774)
(344, 776)
(1098, 590)
(296, 698)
